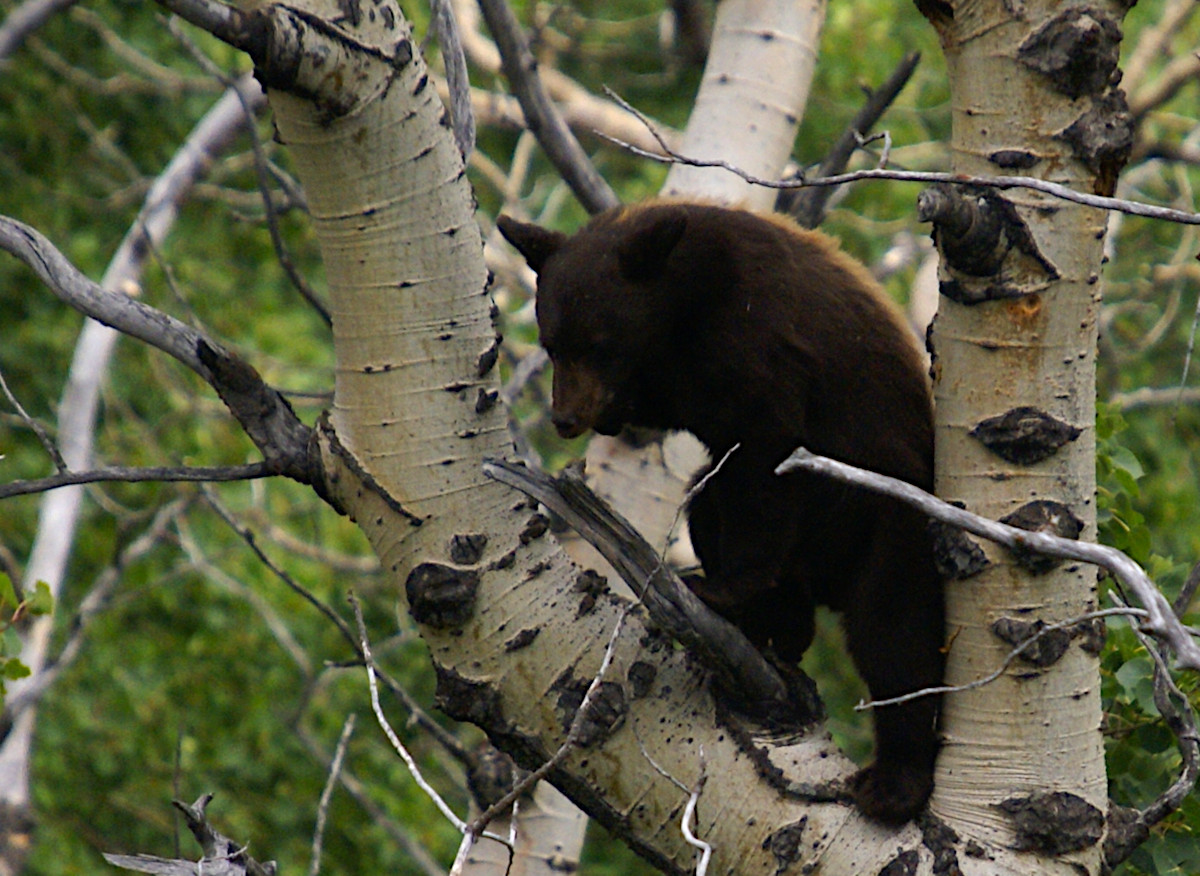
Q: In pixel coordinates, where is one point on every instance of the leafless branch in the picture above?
(252, 99)
(573, 735)
(1129, 828)
(1056, 190)
(1153, 396)
(1178, 73)
(416, 714)
(542, 117)
(335, 769)
(1187, 592)
(583, 110)
(1159, 619)
(35, 427)
(221, 854)
(1154, 42)
(445, 25)
(1176, 711)
(265, 415)
(397, 745)
(227, 23)
(738, 666)
(1021, 649)
(395, 830)
(247, 536)
(131, 475)
(689, 817)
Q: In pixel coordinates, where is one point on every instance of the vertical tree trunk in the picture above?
(1016, 335)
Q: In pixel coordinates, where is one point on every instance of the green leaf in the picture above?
(11, 669)
(41, 602)
(8, 593)
(1124, 460)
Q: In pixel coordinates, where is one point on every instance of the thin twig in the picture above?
(252, 99)
(1056, 190)
(1008, 660)
(808, 206)
(245, 534)
(35, 427)
(1176, 711)
(397, 745)
(23, 20)
(445, 25)
(395, 830)
(689, 816)
(573, 733)
(1153, 396)
(335, 769)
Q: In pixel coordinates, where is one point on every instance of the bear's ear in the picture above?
(644, 253)
(532, 241)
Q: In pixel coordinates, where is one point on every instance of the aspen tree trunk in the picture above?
(515, 632)
(1016, 335)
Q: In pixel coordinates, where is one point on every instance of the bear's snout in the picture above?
(568, 425)
(580, 397)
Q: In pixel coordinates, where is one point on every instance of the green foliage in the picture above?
(13, 611)
(204, 671)
(1142, 754)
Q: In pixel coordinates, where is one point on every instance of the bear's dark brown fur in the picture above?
(748, 330)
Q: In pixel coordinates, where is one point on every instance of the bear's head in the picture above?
(608, 306)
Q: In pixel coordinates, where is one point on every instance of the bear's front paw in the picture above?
(892, 793)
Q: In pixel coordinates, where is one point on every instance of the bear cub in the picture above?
(748, 330)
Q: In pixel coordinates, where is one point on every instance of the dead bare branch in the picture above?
(335, 769)
(126, 474)
(1056, 190)
(1159, 620)
(741, 671)
(808, 205)
(25, 19)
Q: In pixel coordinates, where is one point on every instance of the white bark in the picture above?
(751, 99)
(1032, 730)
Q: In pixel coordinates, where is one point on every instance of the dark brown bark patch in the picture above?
(1046, 650)
(441, 597)
(1077, 50)
(1054, 822)
(955, 553)
(1043, 515)
(1024, 435)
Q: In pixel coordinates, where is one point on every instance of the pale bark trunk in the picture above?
(1034, 729)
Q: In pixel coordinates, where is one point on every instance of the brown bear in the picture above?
(753, 333)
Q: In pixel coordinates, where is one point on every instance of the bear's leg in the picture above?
(895, 629)
(743, 533)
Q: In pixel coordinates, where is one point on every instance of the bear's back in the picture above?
(782, 310)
